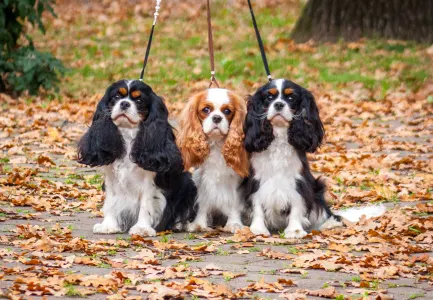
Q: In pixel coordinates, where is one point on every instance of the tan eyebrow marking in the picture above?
(136, 94)
(273, 91)
(123, 91)
(288, 91)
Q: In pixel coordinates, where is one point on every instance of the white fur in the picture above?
(217, 183)
(277, 170)
(129, 187)
(354, 214)
(218, 97)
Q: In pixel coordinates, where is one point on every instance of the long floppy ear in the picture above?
(306, 130)
(191, 138)
(258, 130)
(102, 144)
(154, 147)
(233, 150)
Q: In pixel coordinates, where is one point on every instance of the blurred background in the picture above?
(100, 42)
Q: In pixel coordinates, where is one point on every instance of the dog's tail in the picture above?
(354, 214)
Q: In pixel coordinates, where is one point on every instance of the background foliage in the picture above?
(23, 67)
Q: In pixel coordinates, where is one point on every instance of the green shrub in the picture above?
(22, 67)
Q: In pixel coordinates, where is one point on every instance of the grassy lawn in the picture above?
(102, 44)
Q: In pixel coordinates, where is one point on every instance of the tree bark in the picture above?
(332, 20)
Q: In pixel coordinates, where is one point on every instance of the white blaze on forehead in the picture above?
(279, 85)
(218, 97)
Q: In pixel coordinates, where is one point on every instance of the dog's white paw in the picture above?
(233, 227)
(178, 227)
(294, 233)
(260, 230)
(106, 228)
(331, 223)
(195, 227)
(142, 230)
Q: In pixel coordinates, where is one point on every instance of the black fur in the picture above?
(102, 144)
(180, 193)
(258, 130)
(154, 149)
(305, 134)
(306, 130)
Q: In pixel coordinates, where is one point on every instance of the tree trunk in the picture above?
(331, 20)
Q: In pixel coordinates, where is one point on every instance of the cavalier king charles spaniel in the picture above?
(130, 137)
(211, 139)
(282, 125)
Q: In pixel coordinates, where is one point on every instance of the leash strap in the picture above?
(149, 43)
(211, 54)
(259, 40)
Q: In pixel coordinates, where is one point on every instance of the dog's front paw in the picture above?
(142, 230)
(332, 222)
(233, 227)
(294, 233)
(196, 227)
(106, 228)
(260, 230)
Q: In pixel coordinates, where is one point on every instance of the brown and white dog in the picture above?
(211, 139)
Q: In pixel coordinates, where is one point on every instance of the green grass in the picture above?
(254, 249)
(190, 236)
(96, 179)
(104, 265)
(71, 291)
(268, 272)
(220, 251)
(179, 57)
(416, 295)
(4, 160)
(165, 238)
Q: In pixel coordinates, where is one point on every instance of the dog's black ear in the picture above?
(102, 144)
(306, 130)
(154, 147)
(258, 130)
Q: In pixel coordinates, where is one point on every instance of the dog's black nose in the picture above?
(279, 106)
(124, 105)
(216, 119)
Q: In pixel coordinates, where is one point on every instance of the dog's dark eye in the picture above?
(138, 101)
(116, 97)
(290, 98)
(227, 111)
(206, 110)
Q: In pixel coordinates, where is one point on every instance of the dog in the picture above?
(283, 125)
(211, 139)
(146, 187)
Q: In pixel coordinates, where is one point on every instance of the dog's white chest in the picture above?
(216, 182)
(215, 166)
(277, 169)
(125, 175)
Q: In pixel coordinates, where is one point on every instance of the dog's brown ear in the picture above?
(233, 150)
(191, 139)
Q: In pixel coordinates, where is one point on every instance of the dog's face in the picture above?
(280, 100)
(214, 114)
(283, 103)
(128, 102)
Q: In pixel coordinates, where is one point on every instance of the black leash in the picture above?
(149, 43)
(259, 40)
(211, 54)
